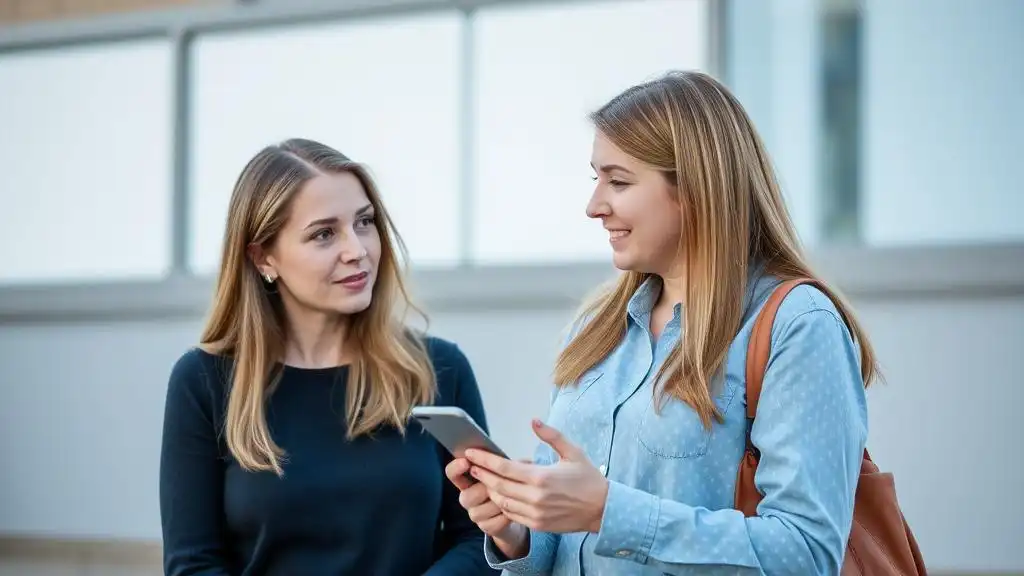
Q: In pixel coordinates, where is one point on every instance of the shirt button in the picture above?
(622, 553)
(603, 469)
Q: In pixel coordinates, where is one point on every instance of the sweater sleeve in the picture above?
(462, 542)
(191, 475)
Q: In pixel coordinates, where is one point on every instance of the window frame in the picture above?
(860, 271)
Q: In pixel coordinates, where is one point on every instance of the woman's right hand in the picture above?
(510, 537)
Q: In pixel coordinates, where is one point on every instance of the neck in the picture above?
(315, 339)
(673, 289)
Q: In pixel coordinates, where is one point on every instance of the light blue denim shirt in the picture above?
(672, 482)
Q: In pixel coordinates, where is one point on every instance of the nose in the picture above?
(352, 250)
(597, 207)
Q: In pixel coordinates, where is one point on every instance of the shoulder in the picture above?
(197, 375)
(805, 305)
(809, 324)
(191, 366)
(451, 366)
(442, 352)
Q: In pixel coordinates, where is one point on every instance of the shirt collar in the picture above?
(643, 300)
(646, 296)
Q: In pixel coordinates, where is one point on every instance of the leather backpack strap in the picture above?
(760, 345)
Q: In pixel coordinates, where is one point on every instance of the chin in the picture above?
(623, 262)
(353, 304)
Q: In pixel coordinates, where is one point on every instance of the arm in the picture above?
(811, 428)
(191, 476)
(462, 540)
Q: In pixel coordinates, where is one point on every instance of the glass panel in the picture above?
(841, 125)
(539, 70)
(942, 122)
(383, 92)
(86, 149)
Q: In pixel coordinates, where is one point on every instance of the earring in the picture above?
(268, 278)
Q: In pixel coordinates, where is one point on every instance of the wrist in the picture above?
(514, 542)
(598, 517)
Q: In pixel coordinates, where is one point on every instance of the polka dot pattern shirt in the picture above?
(672, 482)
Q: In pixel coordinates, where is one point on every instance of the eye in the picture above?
(366, 221)
(617, 184)
(323, 234)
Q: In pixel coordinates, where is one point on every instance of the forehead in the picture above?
(605, 152)
(328, 195)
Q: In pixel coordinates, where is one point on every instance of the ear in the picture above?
(262, 261)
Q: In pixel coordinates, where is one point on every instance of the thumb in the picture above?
(552, 437)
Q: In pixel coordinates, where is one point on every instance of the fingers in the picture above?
(494, 525)
(485, 512)
(498, 486)
(553, 437)
(482, 510)
(518, 471)
(512, 507)
(473, 496)
(457, 471)
(527, 521)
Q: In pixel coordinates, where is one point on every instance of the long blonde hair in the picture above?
(690, 127)
(391, 370)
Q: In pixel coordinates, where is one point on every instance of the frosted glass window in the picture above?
(539, 70)
(383, 92)
(85, 145)
(942, 122)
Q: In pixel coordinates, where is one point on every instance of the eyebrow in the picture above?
(334, 220)
(607, 168)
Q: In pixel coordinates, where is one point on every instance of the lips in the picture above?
(616, 234)
(354, 278)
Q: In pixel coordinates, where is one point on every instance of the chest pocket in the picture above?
(676, 430)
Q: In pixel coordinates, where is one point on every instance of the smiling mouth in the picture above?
(354, 278)
(618, 234)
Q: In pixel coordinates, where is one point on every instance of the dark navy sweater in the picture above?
(365, 507)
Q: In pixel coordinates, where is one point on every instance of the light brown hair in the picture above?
(691, 128)
(391, 370)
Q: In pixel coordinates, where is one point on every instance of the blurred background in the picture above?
(895, 125)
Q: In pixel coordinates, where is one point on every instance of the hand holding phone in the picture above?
(456, 430)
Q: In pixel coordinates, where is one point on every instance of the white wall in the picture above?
(81, 410)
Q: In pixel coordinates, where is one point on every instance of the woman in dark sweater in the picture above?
(287, 444)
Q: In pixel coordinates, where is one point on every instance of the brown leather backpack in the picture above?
(881, 542)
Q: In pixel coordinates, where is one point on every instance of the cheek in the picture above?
(372, 244)
(652, 213)
(671, 222)
(658, 231)
(311, 263)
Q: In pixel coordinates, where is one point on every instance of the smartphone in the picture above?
(454, 429)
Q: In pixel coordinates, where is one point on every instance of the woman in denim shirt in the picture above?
(637, 470)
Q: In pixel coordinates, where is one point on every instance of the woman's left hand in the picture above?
(567, 496)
